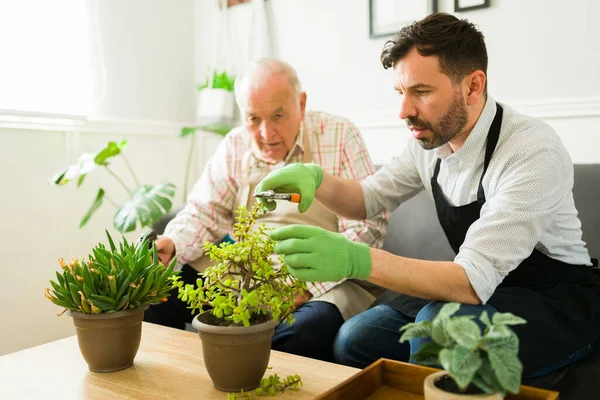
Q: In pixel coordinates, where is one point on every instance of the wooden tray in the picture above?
(388, 379)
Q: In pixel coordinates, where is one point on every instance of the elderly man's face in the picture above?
(272, 114)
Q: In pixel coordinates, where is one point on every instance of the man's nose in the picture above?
(407, 108)
(267, 130)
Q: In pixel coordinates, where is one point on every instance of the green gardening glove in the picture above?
(304, 179)
(315, 254)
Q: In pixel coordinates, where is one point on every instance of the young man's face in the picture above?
(432, 106)
(273, 113)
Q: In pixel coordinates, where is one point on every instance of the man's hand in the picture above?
(315, 254)
(296, 178)
(165, 248)
(302, 298)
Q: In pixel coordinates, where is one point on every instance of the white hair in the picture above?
(257, 72)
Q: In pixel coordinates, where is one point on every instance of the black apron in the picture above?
(559, 301)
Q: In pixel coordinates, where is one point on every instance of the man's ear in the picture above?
(302, 104)
(474, 85)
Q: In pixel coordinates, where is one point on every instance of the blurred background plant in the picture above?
(145, 203)
(215, 113)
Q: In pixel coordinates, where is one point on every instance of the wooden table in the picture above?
(169, 365)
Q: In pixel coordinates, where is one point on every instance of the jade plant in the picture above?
(113, 279)
(243, 286)
(270, 386)
(145, 204)
(488, 360)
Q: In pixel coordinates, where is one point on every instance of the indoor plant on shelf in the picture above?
(107, 295)
(476, 365)
(146, 203)
(248, 297)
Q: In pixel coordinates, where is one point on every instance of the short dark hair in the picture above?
(458, 44)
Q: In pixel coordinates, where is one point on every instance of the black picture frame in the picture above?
(377, 31)
(459, 5)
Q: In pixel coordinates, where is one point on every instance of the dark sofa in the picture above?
(414, 231)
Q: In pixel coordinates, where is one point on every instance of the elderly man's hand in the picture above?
(296, 178)
(315, 254)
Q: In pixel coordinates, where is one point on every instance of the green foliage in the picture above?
(489, 360)
(113, 279)
(219, 81)
(146, 204)
(242, 286)
(270, 386)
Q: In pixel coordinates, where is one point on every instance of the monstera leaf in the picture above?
(87, 163)
(147, 205)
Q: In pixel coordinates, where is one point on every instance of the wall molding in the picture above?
(544, 109)
(97, 126)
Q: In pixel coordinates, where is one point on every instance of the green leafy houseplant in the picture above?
(243, 287)
(113, 279)
(219, 80)
(487, 360)
(146, 204)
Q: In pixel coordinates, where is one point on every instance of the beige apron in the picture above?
(349, 297)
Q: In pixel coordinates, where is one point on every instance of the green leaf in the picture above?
(419, 330)
(428, 354)
(447, 310)
(464, 331)
(501, 341)
(445, 358)
(80, 180)
(464, 363)
(148, 204)
(112, 149)
(439, 332)
(187, 131)
(217, 127)
(507, 319)
(508, 369)
(84, 165)
(488, 378)
(484, 317)
(95, 205)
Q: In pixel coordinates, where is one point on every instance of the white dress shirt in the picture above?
(528, 190)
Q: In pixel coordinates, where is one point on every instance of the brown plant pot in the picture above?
(433, 392)
(236, 357)
(109, 341)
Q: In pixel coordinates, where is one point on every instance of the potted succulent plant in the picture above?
(248, 296)
(476, 365)
(107, 295)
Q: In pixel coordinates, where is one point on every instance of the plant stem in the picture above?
(131, 170)
(111, 201)
(187, 166)
(118, 179)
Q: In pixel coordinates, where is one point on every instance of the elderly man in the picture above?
(277, 131)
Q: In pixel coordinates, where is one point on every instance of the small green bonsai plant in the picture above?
(489, 361)
(243, 287)
(146, 204)
(113, 279)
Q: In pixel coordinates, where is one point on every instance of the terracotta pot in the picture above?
(109, 342)
(236, 357)
(432, 392)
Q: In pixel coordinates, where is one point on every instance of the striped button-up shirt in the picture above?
(337, 147)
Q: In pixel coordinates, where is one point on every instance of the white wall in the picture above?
(544, 60)
(149, 53)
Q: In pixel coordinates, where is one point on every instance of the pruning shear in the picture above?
(271, 195)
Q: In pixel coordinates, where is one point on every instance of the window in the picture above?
(45, 57)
